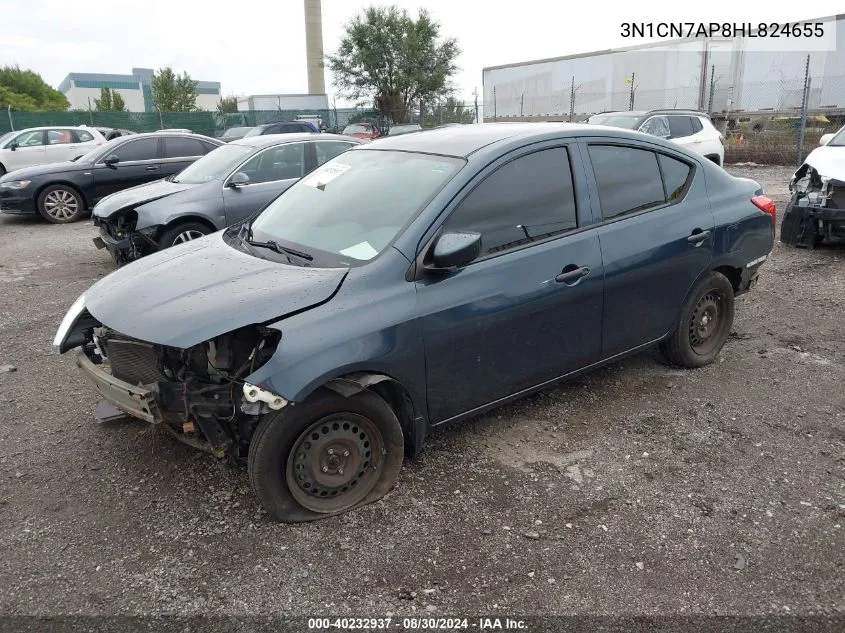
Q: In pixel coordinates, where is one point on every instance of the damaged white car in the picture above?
(816, 211)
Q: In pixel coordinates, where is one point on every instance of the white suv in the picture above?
(41, 145)
(693, 130)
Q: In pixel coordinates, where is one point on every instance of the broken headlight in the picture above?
(68, 322)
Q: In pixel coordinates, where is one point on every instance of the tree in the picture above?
(109, 101)
(172, 92)
(451, 111)
(227, 104)
(394, 60)
(26, 90)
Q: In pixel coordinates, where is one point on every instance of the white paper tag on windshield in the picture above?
(326, 174)
(360, 251)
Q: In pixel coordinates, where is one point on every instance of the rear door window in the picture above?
(680, 126)
(59, 137)
(326, 150)
(176, 147)
(628, 179)
(528, 199)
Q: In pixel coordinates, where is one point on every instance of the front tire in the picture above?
(61, 204)
(325, 456)
(180, 233)
(706, 320)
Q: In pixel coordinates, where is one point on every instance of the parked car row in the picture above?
(398, 285)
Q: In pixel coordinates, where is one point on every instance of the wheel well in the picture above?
(184, 219)
(69, 186)
(395, 395)
(733, 274)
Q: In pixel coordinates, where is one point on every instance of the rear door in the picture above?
(179, 152)
(514, 319)
(270, 172)
(62, 145)
(656, 232)
(139, 162)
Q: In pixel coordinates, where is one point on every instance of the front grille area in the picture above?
(135, 362)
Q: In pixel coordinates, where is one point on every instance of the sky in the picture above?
(258, 47)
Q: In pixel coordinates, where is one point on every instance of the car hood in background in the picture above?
(828, 161)
(140, 194)
(193, 292)
(45, 170)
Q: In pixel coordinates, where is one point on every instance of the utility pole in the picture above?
(572, 100)
(712, 88)
(804, 104)
(631, 102)
(90, 112)
(494, 103)
(9, 112)
(475, 94)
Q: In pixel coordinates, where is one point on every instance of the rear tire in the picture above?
(61, 204)
(180, 233)
(325, 456)
(705, 323)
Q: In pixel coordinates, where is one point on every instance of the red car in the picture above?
(362, 130)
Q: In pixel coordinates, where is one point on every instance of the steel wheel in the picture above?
(707, 323)
(335, 463)
(187, 236)
(61, 205)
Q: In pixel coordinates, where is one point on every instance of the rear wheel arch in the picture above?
(733, 273)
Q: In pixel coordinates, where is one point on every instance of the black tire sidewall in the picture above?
(713, 281)
(79, 199)
(167, 237)
(275, 437)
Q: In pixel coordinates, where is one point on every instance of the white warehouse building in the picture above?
(82, 88)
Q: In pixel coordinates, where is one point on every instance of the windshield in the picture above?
(836, 141)
(615, 120)
(355, 204)
(100, 151)
(357, 128)
(216, 164)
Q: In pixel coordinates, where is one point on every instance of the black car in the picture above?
(63, 192)
(283, 127)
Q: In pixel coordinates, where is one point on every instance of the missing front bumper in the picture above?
(135, 401)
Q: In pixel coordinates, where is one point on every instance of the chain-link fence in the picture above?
(770, 122)
(214, 124)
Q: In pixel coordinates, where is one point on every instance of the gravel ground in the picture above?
(639, 489)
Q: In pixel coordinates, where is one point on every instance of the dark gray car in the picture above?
(223, 188)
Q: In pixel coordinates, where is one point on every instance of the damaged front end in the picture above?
(199, 394)
(124, 243)
(816, 211)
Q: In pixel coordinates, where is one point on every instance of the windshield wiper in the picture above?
(283, 250)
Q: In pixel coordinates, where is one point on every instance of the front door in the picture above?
(270, 172)
(529, 309)
(139, 162)
(29, 150)
(656, 239)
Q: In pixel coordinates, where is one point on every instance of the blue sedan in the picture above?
(417, 281)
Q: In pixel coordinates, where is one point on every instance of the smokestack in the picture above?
(314, 47)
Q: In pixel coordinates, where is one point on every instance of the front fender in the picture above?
(162, 212)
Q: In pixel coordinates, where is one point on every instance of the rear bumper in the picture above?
(135, 401)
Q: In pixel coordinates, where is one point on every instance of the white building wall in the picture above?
(78, 98)
(207, 102)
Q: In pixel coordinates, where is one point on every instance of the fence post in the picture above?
(494, 103)
(572, 99)
(11, 123)
(521, 103)
(804, 104)
(476, 106)
(712, 88)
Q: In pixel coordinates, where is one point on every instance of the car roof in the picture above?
(53, 127)
(267, 140)
(639, 113)
(467, 139)
(160, 133)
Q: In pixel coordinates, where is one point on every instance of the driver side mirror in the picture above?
(13, 145)
(826, 138)
(111, 160)
(455, 250)
(238, 179)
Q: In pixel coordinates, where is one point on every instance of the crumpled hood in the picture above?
(195, 291)
(138, 195)
(828, 161)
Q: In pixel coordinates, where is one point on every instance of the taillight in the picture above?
(766, 205)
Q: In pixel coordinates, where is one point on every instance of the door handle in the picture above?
(698, 236)
(571, 276)
(151, 168)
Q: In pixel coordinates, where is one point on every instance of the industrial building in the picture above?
(82, 88)
(715, 74)
(283, 102)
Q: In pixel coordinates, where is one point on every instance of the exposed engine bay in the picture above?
(200, 393)
(817, 209)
